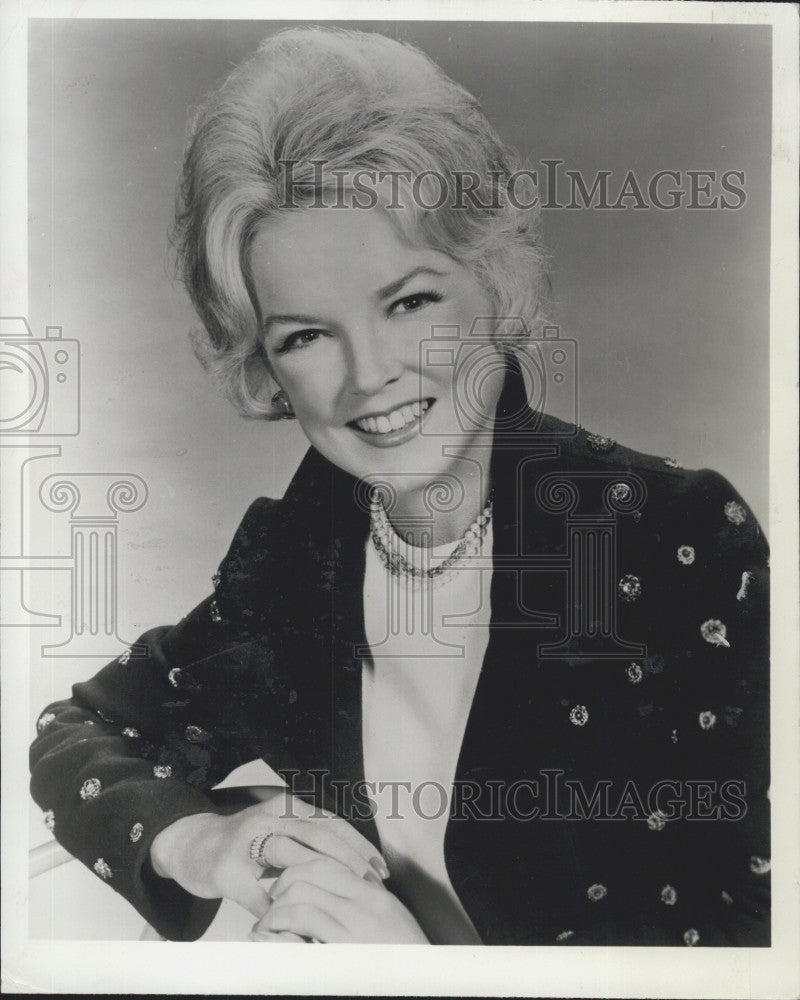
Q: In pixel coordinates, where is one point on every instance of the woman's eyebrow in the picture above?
(288, 318)
(395, 286)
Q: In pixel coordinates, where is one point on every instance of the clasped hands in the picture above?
(330, 887)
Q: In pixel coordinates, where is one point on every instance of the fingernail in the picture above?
(380, 866)
(371, 876)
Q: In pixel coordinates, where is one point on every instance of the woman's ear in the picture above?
(262, 386)
(282, 406)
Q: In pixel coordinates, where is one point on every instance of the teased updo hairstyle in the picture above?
(354, 100)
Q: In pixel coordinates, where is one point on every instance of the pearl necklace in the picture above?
(385, 539)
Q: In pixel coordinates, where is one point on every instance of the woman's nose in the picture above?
(371, 364)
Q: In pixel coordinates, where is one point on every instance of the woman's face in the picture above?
(347, 305)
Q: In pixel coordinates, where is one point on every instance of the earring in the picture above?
(282, 406)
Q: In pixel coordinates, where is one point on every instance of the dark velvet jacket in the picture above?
(612, 782)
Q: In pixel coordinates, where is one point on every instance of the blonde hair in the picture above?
(353, 101)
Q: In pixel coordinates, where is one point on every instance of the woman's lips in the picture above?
(412, 414)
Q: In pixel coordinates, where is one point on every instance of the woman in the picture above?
(524, 666)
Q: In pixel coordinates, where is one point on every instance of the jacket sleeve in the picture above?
(707, 846)
(136, 748)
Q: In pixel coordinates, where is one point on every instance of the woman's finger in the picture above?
(275, 937)
(306, 892)
(284, 817)
(306, 919)
(351, 836)
(249, 894)
(322, 839)
(279, 851)
(326, 873)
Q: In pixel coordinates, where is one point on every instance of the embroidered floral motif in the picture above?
(174, 676)
(726, 897)
(620, 492)
(564, 935)
(44, 721)
(599, 444)
(88, 722)
(669, 895)
(125, 657)
(50, 820)
(162, 771)
(759, 866)
(630, 587)
(672, 463)
(674, 736)
(656, 820)
(741, 594)
(216, 579)
(734, 512)
(579, 715)
(634, 672)
(194, 734)
(132, 732)
(213, 612)
(714, 631)
(90, 789)
(102, 869)
(686, 555)
(596, 892)
(691, 937)
(136, 832)
(707, 720)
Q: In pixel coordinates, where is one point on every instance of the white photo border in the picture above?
(142, 967)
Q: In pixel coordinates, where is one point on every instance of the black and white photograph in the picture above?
(399, 451)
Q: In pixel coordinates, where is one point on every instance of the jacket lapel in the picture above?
(506, 736)
(329, 531)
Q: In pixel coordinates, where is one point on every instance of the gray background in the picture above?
(670, 309)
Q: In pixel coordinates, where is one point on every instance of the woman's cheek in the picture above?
(312, 389)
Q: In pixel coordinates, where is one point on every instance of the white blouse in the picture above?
(427, 645)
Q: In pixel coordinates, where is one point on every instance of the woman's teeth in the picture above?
(395, 420)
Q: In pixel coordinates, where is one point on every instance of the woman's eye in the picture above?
(300, 338)
(411, 303)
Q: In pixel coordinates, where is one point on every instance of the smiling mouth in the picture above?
(394, 420)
